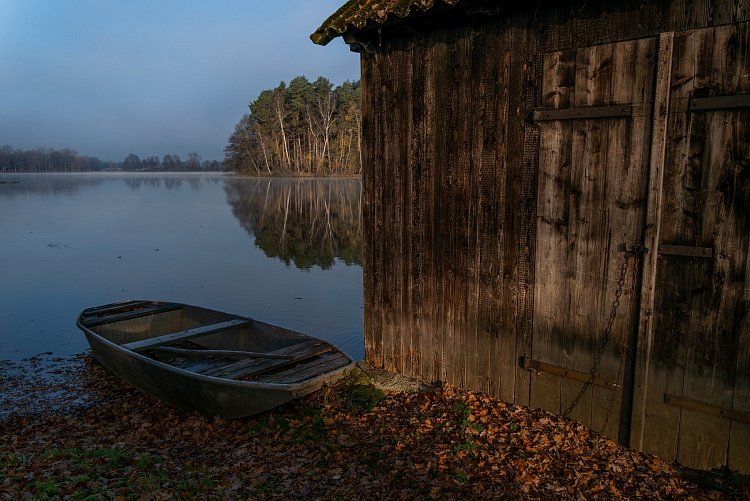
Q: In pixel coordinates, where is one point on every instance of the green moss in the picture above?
(363, 397)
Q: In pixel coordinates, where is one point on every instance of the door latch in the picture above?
(636, 249)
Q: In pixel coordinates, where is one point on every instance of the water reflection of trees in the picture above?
(58, 184)
(45, 184)
(170, 182)
(305, 221)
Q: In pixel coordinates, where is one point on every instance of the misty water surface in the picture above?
(284, 251)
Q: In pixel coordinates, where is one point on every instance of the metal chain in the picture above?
(623, 350)
(605, 338)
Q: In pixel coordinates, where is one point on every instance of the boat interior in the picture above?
(214, 343)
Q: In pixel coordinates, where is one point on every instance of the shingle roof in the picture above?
(357, 14)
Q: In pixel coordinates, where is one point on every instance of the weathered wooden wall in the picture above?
(441, 275)
(491, 240)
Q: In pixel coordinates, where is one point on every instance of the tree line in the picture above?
(170, 163)
(67, 160)
(299, 129)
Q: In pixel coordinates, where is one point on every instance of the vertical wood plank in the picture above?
(724, 11)
(730, 11)
(406, 318)
(582, 322)
(462, 214)
(417, 193)
(742, 14)
(440, 258)
(701, 13)
(448, 202)
(555, 158)
(373, 245)
(582, 24)
(430, 334)
(739, 435)
(625, 181)
(739, 439)
(718, 285)
(477, 366)
(652, 235)
(673, 343)
(701, 437)
(390, 180)
(523, 148)
(502, 293)
(678, 15)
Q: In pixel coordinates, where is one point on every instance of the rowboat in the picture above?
(212, 362)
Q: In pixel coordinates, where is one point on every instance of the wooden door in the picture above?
(693, 388)
(648, 142)
(595, 133)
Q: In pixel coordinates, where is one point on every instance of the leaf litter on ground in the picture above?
(71, 430)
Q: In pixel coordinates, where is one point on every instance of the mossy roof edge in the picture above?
(356, 14)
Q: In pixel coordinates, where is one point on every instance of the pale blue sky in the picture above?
(150, 77)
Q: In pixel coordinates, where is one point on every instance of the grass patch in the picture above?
(476, 427)
(313, 430)
(362, 397)
(115, 457)
(461, 476)
(195, 480)
(152, 479)
(45, 489)
(463, 412)
(465, 447)
(146, 461)
(11, 460)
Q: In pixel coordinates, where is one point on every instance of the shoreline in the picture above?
(84, 432)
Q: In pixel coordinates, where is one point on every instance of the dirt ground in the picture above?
(70, 430)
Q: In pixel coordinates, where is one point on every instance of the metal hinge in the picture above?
(619, 110)
(583, 377)
(720, 102)
(685, 250)
(736, 415)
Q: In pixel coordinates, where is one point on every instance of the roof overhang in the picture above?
(358, 15)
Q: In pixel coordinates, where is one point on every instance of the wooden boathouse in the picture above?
(557, 208)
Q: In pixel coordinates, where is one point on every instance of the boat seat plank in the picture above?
(251, 367)
(173, 337)
(201, 352)
(323, 364)
(203, 365)
(127, 315)
(303, 365)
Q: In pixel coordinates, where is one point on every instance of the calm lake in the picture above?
(284, 251)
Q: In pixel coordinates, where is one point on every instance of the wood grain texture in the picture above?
(652, 235)
(718, 284)
(555, 159)
(499, 259)
(372, 161)
(667, 357)
(739, 146)
(591, 199)
(416, 235)
(523, 168)
(624, 203)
